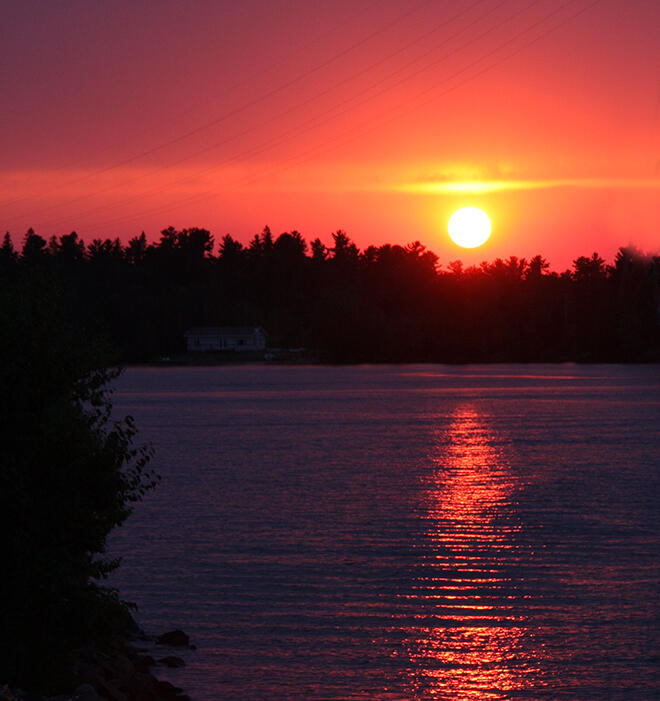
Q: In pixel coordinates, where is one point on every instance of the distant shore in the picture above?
(275, 357)
(206, 359)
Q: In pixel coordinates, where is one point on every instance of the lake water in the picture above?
(401, 532)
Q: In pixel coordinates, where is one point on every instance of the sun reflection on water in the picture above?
(469, 639)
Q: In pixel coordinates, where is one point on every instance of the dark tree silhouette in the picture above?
(386, 303)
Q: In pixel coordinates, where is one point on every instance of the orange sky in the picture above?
(379, 118)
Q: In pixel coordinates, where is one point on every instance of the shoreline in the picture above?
(210, 361)
(122, 671)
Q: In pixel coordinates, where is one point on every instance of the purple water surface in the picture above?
(400, 532)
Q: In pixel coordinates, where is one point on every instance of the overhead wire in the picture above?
(405, 107)
(325, 147)
(365, 99)
(309, 123)
(255, 101)
(315, 150)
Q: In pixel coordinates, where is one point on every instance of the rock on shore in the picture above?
(122, 673)
(124, 676)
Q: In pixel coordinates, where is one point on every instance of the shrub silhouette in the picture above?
(69, 474)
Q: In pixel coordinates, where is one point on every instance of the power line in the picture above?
(251, 103)
(406, 106)
(246, 80)
(277, 140)
(370, 126)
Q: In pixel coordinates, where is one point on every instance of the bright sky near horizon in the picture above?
(379, 118)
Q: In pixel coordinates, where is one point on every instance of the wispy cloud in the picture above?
(449, 187)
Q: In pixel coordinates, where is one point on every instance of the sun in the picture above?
(469, 227)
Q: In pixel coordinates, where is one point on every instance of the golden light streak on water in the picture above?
(478, 647)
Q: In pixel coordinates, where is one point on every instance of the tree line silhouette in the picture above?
(387, 303)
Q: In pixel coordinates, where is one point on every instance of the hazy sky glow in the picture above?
(379, 118)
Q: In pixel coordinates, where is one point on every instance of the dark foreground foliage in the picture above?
(382, 304)
(68, 475)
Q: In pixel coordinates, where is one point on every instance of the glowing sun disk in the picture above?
(469, 227)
